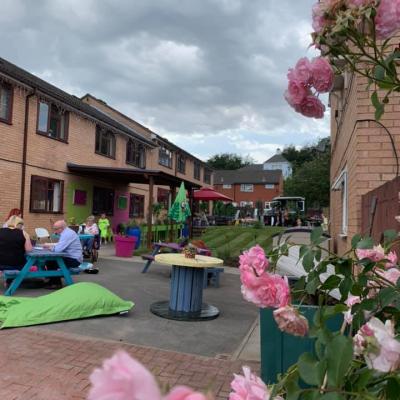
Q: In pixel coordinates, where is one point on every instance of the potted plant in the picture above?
(133, 229)
(124, 245)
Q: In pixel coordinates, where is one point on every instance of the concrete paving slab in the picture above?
(216, 338)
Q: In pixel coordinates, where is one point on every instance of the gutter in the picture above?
(24, 152)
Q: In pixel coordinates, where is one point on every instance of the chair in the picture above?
(42, 233)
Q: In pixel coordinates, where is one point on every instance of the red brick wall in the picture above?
(259, 193)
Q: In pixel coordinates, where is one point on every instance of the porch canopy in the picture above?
(210, 194)
(135, 175)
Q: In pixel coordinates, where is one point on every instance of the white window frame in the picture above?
(227, 186)
(341, 184)
(247, 187)
(269, 186)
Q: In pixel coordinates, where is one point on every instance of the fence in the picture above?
(378, 209)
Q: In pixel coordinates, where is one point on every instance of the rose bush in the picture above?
(353, 35)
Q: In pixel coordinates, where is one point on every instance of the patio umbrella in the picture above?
(210, 194)
(180, 210)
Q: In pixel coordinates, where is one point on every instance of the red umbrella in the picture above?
(210, 194)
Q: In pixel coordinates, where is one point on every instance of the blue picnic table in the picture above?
(38, 257)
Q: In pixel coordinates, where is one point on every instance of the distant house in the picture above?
(249, 184)
(277, 161)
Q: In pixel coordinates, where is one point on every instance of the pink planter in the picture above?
(124, 245)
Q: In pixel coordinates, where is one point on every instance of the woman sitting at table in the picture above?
(14, 242)
(13, 212)
(90, 229)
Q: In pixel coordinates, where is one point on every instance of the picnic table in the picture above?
(186, 293)
(38, 257)
(158, 246)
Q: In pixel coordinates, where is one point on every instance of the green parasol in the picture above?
(180, 210)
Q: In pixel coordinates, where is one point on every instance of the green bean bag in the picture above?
(80, 300)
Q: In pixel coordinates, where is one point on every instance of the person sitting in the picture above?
(91, 228)
(14, 243)
(14, 211)
(68, 243)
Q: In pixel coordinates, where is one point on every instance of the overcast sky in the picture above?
(208, 75)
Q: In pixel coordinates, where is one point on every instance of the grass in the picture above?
(227, 242)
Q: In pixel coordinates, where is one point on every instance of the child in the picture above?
(104, 225)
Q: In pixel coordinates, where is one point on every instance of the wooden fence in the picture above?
(378, 209)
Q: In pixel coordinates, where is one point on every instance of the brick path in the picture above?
(37, 364)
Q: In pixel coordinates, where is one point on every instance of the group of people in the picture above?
(15, 243)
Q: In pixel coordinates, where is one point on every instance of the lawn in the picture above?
(227, 242)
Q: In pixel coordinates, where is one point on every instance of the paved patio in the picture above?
(200, 354)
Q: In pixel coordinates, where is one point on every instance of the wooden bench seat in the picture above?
(148, 257)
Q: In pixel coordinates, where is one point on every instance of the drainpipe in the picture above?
(24, 152)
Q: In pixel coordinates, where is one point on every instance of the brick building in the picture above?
(61, 156)
(364, 154)
(249, 184)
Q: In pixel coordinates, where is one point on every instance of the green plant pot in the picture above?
(279, 350)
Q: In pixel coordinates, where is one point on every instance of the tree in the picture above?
(229, 161)
(310, 178)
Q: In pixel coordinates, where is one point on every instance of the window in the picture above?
(246, 204)
(165, 157)
(207, 176)
(6, 97)
(103, 201)
(136, 206)
(163, 197)
(46, 195)
(52, 121)
(226, 186)
(105, 142)
(181, 163)
(136, 154)
(197, 170)
(246, 187)
(269, 186)
(341, 184)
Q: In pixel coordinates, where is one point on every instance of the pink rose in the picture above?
(248, 386)
(289, 320)
(185, 393)
(302, 72)
(351, 300)
(123, 378)
(387, 20)
(318, 20)
(392, 275)
(248, 278)
(255, 258)
(271, 290)
(322, 75)
(375, 254)
(311, 107)
(392, 259)
(296, 92)
(376, 342)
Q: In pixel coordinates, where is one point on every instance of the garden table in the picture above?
(39, 257)
(186, 290)
(157, 246)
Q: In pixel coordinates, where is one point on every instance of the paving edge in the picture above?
(239, 350)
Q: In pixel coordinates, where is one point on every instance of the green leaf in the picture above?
(390, 235)
(339, 356)
(345, 287)
(365, 243)
(354, 241)
(331, 283)
(313, 285)
(379, 72)
(316, 233)
(387, 296)
(356, 289)
(313, 395)
(332, 396)
(308, 260)
(310, 369)
(392, 389)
